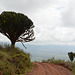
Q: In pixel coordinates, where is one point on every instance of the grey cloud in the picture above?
(68, 16)
(27, 5)
(47, 19)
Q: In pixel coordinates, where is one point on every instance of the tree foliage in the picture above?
(16, 26)
(71, 55)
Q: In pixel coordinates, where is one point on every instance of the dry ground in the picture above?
(49, 69)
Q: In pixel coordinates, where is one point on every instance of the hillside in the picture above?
(13, 61)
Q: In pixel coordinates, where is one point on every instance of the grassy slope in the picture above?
(13, 61)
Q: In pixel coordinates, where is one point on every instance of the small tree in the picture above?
(17, 27)
(71, 56)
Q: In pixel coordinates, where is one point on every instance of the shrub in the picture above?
(71, 56)
(5, 65)
(21, 61)
(14, 61)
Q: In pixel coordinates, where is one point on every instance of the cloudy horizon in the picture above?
(53, 19)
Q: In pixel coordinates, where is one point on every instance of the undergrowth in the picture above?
(14, 61)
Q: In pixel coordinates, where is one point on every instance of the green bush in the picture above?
(71, 56)
(5, 65)
(13, 61)
(21, 61)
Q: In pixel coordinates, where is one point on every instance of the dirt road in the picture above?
(49, 69)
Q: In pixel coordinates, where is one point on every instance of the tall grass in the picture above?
(13, 61)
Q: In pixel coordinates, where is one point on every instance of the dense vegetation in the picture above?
(13, 61)
(68, 64)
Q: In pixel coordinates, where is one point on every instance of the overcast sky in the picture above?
(54, 20)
